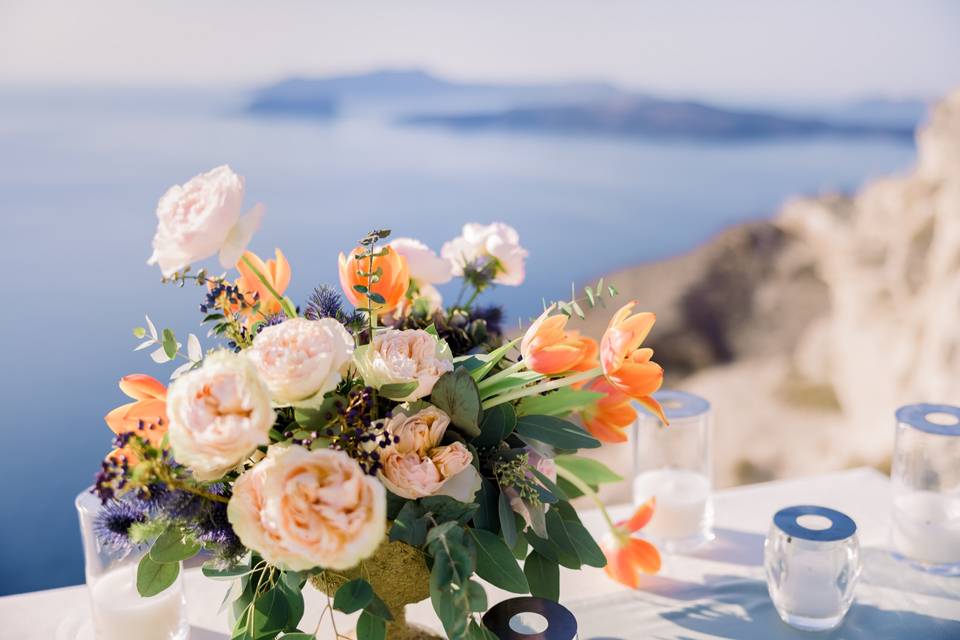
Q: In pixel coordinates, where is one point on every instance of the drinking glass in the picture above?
(812, 560)
(675, 465)
(119, 612)
(925, 474)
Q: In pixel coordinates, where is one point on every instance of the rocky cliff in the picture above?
(808, 331)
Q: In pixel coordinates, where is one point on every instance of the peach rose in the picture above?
(397, 356)
(200, 218)
(301, 509)
(415, 466)
(300, 360)
(218, 415)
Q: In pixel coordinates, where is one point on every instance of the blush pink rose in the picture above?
(302, 509)
(201, 218)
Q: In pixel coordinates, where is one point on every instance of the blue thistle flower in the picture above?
(113, 522)
(326, 302)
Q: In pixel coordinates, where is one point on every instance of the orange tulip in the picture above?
(549, 349)
(277, 272)
(392, 285)
(146, 415)
(607, 418)
(627, 365)
(628, 556)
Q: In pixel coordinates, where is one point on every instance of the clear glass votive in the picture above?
(925, 524)
(812, 560)
(674, 464)
(119, 612)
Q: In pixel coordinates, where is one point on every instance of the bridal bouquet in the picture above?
(385, 452)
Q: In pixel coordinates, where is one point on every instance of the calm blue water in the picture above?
(80, 174)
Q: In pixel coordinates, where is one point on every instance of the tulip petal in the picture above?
(641, 516)
(654, 407)
(643, 555)
(140, 386)
(620, 567)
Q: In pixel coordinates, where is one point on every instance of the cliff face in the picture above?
(807, 332)
(890, 258)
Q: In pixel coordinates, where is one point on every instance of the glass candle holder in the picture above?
(530, 618)
(925, 524)
(812, 560)
(119, 612)
(675, 465)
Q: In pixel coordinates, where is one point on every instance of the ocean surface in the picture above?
(81, 171)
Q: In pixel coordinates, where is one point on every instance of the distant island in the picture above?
(417, 98)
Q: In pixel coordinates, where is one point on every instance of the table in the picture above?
(717, 592)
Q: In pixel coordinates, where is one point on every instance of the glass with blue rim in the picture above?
(811, 558)
(925, 478)
(674, 466)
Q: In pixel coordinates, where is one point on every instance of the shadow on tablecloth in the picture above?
(735, 608)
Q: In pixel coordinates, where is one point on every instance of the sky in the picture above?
(771, 49)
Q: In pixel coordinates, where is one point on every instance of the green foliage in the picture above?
(508, 522)
(398, 390)
(498, 422)
(543, 576)
(415, 518)
(518, 379)
(313, 419)
(554, 431)
(486, 516)
(370, 627)
(557, 403)
(456, 394)
(453, 564)
(495, 563)
(173, 546)
(485, 362)
(593, 297)
(353, 596)
(153, 577)
(593, 472)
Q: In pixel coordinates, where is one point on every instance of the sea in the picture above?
(81, 171)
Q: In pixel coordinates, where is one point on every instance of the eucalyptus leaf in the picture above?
(496, 564)
(498, 422)
(551, 430)
(370, 627)
(172, 546)
(153, 577)
(508, 523)
(353, 596)
(456, 394)
(170, 346)
(398, 390)
(270, 613)
(543, 576)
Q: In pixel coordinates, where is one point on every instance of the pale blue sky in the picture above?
(762, 49)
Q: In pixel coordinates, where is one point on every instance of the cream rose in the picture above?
(200, 218)
(396, 357)
(415, 466)
(300, 360)
(426, 267)
(497, 241)
(301, 509)
(218, 415)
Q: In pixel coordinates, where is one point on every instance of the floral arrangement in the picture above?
(343, 446)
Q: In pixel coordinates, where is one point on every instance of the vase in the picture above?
(399, 575)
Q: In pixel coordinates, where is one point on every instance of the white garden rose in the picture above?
(300, 360)
(400, 356)
(301, 509)
(200, 218)
(219, 414)
(426, 267)
(497, 241)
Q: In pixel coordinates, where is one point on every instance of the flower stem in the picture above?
(288, 308)
(586, 490)
(514, 368)
(543, 387)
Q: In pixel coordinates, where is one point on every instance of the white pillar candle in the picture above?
(926, 527)
(682, 508)
(120, 613)
(811, 592)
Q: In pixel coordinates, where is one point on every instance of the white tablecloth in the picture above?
(718, 592)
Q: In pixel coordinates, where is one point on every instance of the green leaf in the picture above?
(370, 627)
(291, 586)
(590, 471)
(270, 613)
(170, 344)
(410, 525)
(476, 596)
(376, 298)
(486, 515)
(378, 607)
(543, 576)
(550, 486)
(456, 394)
(560, 433)
(360, 288)
(558, 403)
(398, 390)
(508, 523)
(316, 418)
(153, 577)
(613, 290)
(559, 534)
(587, 548)
(496, 564)
(299, 635)
(519, 550)
(489, 360)
(171, 546)
(498, 423)
(353, 596)
(139, 333)
(512, 381)
(477, 631)
(445, 508)
(212, 569)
